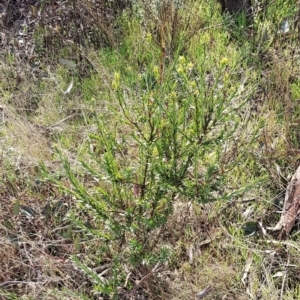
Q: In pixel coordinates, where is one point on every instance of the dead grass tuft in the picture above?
(26, 140)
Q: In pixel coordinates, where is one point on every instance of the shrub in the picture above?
(161, 142)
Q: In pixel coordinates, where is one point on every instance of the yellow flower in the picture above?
(156, 73)
(180, 69)
(232, 90)
(224, 62)
(149, 37)
(181, 60)
(116, 81)
(192, 84)
(193, 87)
(173, 95)
(155, 152)
(225, 77)
(190, 66)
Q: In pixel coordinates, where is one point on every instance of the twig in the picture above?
(204, 293)
(139, 282)
(12, 282)
(2, 112)
(127, 278)
(285, 243)
(62, 120)
(284, 280)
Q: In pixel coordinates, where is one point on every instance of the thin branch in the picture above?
(62, 120)
(6, 283)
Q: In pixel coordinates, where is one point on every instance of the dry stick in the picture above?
(62, 120)
(204, 293)
(155, 269)
(2, 112)
(285, 243)
(298, 21)
(127, 278)
(284, 279)
(161, 65)
(15, 283)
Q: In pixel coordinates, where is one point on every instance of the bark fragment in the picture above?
(291, 207)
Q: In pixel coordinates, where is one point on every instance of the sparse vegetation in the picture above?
(145, 155)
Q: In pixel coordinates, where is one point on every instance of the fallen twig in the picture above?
(15, 283)
(204, 293)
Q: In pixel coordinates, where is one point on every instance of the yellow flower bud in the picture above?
(223, 62)
(116, 81)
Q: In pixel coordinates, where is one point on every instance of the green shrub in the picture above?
(161, 143)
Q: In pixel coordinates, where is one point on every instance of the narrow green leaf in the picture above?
(16, 208)
(67, 234)
(77, 244)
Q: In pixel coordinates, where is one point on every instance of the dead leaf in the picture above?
(68, 90)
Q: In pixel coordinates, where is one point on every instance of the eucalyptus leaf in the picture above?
(36, 169)
(250, 228)
(67, 234)
(13, 238)
(67, 63)
(30, 212)
(8, 225)
(12, 188)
